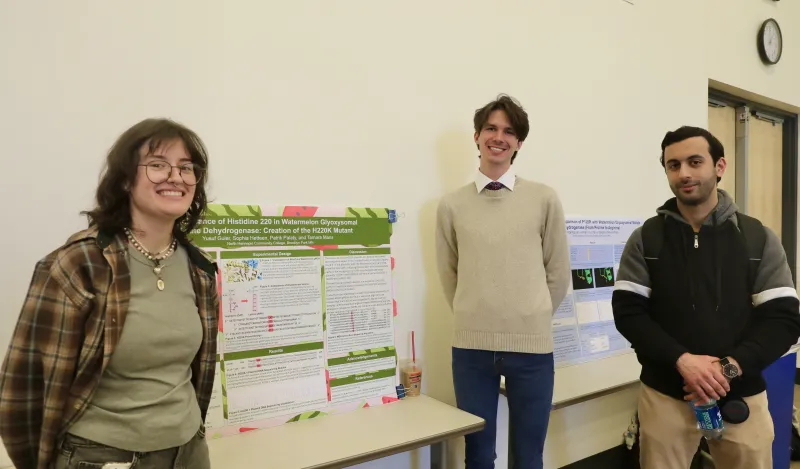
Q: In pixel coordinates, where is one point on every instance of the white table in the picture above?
(349, 438)
(578, 383)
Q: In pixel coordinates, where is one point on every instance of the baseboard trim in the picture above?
(618, 457)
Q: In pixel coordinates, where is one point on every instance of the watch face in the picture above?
(730, 370)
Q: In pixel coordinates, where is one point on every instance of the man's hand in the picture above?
(703, 377)
(691, 396)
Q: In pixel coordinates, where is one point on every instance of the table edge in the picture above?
(615, 388)
(401, 448)
(586, 396)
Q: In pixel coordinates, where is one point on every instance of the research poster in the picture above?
(583, 325)
(307, 312)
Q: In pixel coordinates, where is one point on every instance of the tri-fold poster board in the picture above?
(307, 308)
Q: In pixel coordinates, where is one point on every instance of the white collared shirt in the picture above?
(507, 179)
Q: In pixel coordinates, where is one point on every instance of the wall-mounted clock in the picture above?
(770, 42)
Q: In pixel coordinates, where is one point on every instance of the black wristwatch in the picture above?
(730, 370)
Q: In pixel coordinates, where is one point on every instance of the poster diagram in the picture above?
(583, 325)
(307, 313)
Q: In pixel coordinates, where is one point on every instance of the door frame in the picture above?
(789, 168)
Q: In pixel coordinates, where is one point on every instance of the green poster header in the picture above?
(359, 378)
(358, 252)
(228, 232)
(362, 357)
(269, 254)
(268, 352)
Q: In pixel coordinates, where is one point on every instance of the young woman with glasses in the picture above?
(112, 359)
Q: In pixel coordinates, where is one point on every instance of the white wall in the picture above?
(730, 47)
(732, 61)
(368, 103)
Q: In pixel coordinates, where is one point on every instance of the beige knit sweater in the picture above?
(503, 261)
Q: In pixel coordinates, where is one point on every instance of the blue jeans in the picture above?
(529, 388)
(74, 452)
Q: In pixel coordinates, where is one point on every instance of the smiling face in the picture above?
(497, 140)
(159, 193)
(691, 171)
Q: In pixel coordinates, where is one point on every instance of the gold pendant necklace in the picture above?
(157, 271)
(157, 258)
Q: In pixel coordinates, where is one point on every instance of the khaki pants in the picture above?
(669, 436)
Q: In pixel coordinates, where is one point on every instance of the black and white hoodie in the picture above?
(697, 298)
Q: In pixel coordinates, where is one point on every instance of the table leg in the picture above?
(437, 455)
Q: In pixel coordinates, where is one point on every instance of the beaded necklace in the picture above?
(156, 258)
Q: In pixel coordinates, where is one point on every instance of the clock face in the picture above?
(772, 41)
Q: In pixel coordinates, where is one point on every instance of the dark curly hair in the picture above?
(112, 212)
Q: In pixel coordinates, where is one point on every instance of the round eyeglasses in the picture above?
(159, 171)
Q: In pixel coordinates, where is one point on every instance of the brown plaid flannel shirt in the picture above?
(69, 327)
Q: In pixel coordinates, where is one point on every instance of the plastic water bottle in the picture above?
(709, 419)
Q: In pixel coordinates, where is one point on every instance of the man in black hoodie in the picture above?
(703, 322)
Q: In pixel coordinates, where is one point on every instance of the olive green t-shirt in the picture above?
(145, 400)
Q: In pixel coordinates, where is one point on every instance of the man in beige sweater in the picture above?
(503, 261)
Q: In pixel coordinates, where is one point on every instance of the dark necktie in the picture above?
(494, 186)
